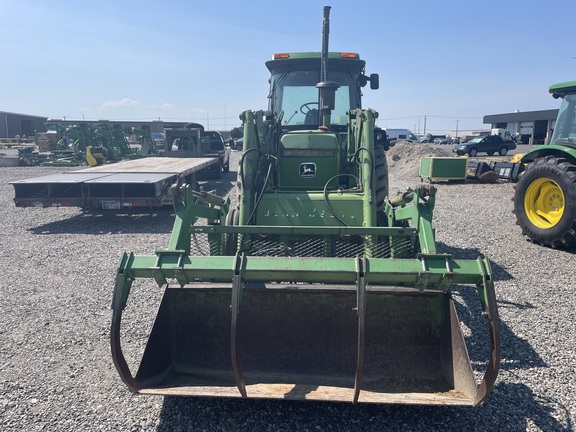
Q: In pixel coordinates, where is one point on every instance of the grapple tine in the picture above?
(361, 311)
(235, 310)
(492, 319)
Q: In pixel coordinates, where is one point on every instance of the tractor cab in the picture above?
(312, 94)
(296, 79)
(565, 129)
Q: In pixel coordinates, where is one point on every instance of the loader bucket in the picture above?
(351, 343)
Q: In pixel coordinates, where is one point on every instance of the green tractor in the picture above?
(545, 195)
(315, 285)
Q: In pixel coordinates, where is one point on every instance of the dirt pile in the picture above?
(404, 162)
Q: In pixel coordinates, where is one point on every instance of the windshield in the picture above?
(476, 139)
(295, 94)
(565, 129)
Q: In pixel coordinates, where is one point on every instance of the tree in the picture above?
(236, 133)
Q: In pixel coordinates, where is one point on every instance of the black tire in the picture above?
(218, 171)
(381, 173)
(503, 150)
(547, 184)
(382, 186)
(473, 152)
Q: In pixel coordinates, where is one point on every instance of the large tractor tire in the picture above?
(545, 202)
(381, 173)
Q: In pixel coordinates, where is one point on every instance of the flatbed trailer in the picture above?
(139, 183)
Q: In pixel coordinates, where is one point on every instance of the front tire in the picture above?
(381, 172)
(472, 152)
(545, 202)
(503, 150)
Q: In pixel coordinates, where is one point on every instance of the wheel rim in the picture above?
(544, 203)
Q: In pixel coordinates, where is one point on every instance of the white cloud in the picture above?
(120, 103)
(164, 106)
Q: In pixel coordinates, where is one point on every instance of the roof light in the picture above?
(281, 56)
(349, 55)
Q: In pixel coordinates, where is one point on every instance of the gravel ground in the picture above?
(58, 268)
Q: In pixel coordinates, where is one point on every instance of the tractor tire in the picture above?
(545, 202)
(381, 185)
(381, 173)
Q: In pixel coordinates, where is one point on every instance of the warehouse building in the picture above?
(532, 127)
(14, 124)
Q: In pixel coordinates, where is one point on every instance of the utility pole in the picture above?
(457, 128)
(425, 125)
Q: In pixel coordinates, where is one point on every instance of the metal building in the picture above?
(533, 127)
(14, 124)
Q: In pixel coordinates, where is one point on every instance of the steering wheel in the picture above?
(307, 106)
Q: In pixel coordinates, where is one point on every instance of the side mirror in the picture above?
(374, 81)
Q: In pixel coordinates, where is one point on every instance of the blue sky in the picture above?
(451, 61)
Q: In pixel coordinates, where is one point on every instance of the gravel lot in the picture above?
(58, 268)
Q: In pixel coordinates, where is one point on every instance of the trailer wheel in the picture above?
(218, 171)
(545, 202)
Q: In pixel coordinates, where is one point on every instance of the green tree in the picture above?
(236, 133)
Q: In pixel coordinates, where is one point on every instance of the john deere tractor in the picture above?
(315, 285)
(545, 195)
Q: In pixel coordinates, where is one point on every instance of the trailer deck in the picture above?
(135, 183)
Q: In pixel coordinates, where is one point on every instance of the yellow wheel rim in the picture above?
(544, 203)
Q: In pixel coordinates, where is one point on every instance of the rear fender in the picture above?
(558, 151)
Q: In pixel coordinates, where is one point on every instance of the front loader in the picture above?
(315, 285)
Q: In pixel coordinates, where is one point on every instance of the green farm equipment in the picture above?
(545, 195)
(316, 285)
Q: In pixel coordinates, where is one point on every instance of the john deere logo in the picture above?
(308, 170)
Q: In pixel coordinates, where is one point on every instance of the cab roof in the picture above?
(562, 89)
(347, 61)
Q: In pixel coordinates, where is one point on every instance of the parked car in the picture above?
(400, 135)
(450, 140)
(429, 138)
(485, 144)
(158, 138)
(239, 143)
(213, 145)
